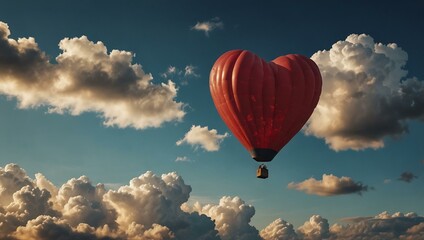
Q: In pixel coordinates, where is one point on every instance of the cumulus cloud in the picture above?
(182, 75)
(21, 200)
(330, 185)
(316, 228)
(231, 216)
(47, 227)
(279, 230)
(366, 94)
(207, 139)
(158, 200)
(155, 208)
(81, 210)
(81, 202)
(407, 177)
(12, 179)
(85, 78)
(208, 26)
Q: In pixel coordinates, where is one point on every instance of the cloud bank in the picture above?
(152, 207)
(330, 185)
(207, 139)
(85, 78)
(147, 208)
(208, 26)
(366, 96)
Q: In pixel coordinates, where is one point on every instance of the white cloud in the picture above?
(316, 228)
(156, 208)
(279, 230)
(158, 200)
(86, 78)
(232, 217)
(81, 202)
(80, 210)
(21, 200)
(182, 159)
(366, 94)
(190, 70)
(330, 185)
(183, 76)
(12, 179)
(207, 139)
(387, 181)
(208, 26)
(382, 226)
(172, 69)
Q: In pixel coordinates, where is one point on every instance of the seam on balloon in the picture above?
(289, 108)
(247, 126)
(293, 127)
(250, 102)
(231, 105)
(232, 119)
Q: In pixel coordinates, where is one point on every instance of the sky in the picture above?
(117, 94)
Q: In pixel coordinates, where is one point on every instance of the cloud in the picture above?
(407, 177)
(189, 70)
(414, 232)
(208, 26)
(182, 159)
(183, 76)
(85, 78)
(279, 230)
(366, 94)
(330, 185)
(231, 216)
(21, 200)
(316, 228)
(158, 200)
(81, 202)
(81, 210)
(46, 228)
(156, 208)
(203, 137)
(382, 226)
(12, 179)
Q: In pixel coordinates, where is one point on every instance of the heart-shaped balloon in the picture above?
(264, 104)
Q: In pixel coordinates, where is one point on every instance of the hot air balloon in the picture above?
(264, 104)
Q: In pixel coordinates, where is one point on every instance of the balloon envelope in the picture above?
(264, 104)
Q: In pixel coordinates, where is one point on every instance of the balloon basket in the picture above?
(262, 172)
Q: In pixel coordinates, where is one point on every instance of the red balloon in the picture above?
(264, 104)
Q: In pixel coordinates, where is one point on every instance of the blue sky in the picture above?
(160, 34)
